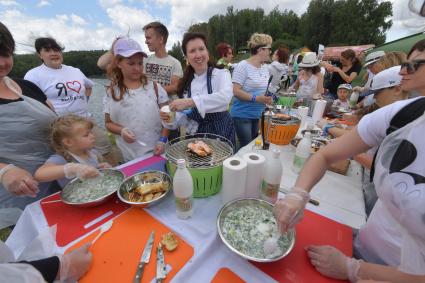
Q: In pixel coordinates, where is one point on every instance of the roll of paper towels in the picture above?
(255, 173)
(234, 175)
(302, 114)
(319, 109)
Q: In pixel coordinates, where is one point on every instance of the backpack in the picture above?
(407, 114)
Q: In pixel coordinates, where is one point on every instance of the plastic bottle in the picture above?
(302, 153)
(354, 98)
(183, 190)
(272, 176)
(257, 144)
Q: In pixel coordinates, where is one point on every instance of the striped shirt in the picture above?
(254, 81)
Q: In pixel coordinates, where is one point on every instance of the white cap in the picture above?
(387, 78)
(276, 153)
(127, 47)
(373, 57)
(181, 163)
(309, 60)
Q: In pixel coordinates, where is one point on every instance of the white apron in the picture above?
(24, 141)
(395, 231)
(139, 112)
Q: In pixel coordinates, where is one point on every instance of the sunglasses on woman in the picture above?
(413, 66)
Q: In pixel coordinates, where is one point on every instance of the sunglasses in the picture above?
(413, 66)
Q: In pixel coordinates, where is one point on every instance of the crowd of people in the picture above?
(49, 137)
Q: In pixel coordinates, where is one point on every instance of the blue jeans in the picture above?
(246, 130)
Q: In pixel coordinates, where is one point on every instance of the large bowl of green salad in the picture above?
(94, 191)
(245, 225)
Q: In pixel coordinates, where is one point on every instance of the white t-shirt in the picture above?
(382, 238)
(339, 103)
(139, 112)
(64, 87)
(277, 70)
(161, 70)
(308, 88)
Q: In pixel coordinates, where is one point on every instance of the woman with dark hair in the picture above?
(25, 119)
(279, 68)
(205, 92)
(345, 72)
(225, 52)
(392, 242)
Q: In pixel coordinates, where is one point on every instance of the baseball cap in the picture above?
(127, 47)
(373, 57)
(345, 86)
(385, 79)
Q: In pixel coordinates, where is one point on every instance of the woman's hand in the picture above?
(128, 135)
(181, 104)
(264, 99)
(20, 182)
(75, 264)
(290, 210)
(332, 263)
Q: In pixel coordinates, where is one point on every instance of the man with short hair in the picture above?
(161, 67)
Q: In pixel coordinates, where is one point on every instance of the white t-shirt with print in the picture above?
(139, 112)
(64, 87)
(380, 239)
(161, 70)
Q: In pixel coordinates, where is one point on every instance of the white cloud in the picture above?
(77, 20)
(43, 3)
(109, 3)
(9, 3)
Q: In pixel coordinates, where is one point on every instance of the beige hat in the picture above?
(309, 60)
(373, 57)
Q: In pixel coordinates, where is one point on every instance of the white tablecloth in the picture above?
(340, 199)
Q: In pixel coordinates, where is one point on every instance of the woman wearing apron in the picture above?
(23, 134)
(392, 242)
(208, 92)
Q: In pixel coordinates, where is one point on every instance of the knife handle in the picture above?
(139, 272)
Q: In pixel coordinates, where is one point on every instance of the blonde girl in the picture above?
(72, 139)
(132, 103)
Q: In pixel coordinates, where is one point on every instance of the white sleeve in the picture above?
(32, 77)
(372, 127)
(221, 96)
(87, 83)
(178, 71)
(239, 74)
(20, 272)
(107, 100)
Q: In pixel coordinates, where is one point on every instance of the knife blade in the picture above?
(161, 270)
(144, 259)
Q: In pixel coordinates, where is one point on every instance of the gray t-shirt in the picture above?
(60, 160)
(161, 70)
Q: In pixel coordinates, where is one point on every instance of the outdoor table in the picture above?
(340, 199)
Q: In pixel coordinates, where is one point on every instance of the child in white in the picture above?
(72, 139)
(132, 103)
(344, 92)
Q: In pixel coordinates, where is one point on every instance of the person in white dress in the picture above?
(392, 242)
(132, 103)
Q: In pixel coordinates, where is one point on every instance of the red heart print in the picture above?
(75, 86)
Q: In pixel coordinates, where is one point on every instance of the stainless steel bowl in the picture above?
(141, 178)
(77, 183)
(249, 202)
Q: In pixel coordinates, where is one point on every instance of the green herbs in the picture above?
(246, 228)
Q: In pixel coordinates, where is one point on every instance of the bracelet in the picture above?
(5, 169)
(253, 98)
(163, 139)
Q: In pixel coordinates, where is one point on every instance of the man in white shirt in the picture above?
(66, 87)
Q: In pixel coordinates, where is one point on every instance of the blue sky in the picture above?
(92, 24)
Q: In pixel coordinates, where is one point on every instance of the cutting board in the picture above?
(116, 253)
(225, 275)
(151, 163)
(314, 229)
(73, 222)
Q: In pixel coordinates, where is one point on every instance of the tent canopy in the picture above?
(333, 53)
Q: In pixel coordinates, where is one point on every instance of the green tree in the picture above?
(177, 52)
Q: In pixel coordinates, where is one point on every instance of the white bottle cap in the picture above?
(276, 153)
(181, 163)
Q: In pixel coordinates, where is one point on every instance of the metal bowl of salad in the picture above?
(94, 191)
(244, 226)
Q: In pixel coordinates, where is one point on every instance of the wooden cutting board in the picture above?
(117, 252)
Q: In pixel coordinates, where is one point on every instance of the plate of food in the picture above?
(246, 227)
(94, 191)
(145, 188)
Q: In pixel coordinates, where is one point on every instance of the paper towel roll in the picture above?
(254, 174)
(319, 109)
(302, 112)
(234, 175)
